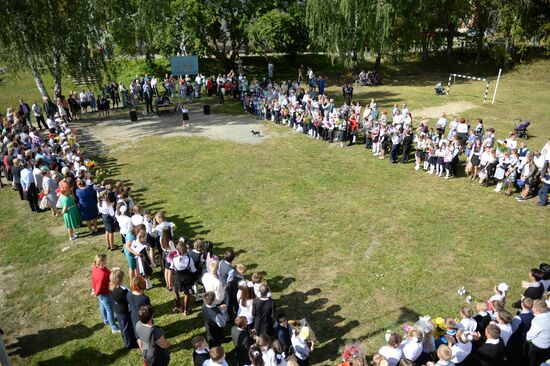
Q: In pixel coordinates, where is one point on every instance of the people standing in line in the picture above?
(87, 203)
(119, 293)
(29, 187)
(136, 298)
(100, 290)
(215, 318)
(152, 343)
(184, 277)
(538, 335)
(69, 209)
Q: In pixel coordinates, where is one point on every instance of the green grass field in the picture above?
(352, 243)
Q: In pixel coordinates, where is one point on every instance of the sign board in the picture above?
(185, 65)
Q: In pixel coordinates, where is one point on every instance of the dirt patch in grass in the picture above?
(118, 132)
(8, 276)
(450, 109)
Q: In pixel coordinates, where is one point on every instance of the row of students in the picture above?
(494, 336)
(437, 150)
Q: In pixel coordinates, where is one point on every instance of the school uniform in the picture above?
(200, 356)
(491, 353)
(215, 320)
(407, 142)
(242, 340)
(516, 352)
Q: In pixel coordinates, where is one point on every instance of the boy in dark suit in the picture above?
(490, 353)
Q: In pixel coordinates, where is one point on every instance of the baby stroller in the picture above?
(521, 128)
(439, 89)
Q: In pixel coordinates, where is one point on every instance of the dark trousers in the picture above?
(220, 94)
(41, 121)
(454, 166)
(406, 150)
(32, 197)
(149, 105)
(230, 300)
(303, 362)
(127, 330)
(538, 355)
(19, 189)
(394, 153)
(543, 193)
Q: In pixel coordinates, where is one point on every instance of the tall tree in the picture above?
(218, 27)
(54, 36)
(340, 27)
(277, 31)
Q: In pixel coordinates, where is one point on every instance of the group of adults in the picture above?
(50, 172)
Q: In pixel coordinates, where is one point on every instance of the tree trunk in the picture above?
(355, 65)
(450, 39)
(377, 61)
(32, 66)
(479, 43)
(57, 76)
(149, 58)
(507, 54)
(425, 49)
(38, 80)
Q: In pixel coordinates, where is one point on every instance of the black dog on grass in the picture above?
(255, 133)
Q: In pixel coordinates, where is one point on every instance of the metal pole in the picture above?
(486, 91)
(449, 84)
(496, 86)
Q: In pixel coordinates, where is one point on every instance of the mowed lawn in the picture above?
(353, 244)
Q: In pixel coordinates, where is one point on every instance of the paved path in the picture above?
(118, 131)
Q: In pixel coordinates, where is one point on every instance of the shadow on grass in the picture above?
(190, 229)
(329, 327)
(30, 344)
(86, 356)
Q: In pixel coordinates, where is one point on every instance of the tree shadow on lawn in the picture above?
(28, 345)
(190, 229)
(329, 327)
(86, 356)
(96, 149)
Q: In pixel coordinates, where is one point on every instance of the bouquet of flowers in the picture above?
(353, 354)
(439, 327)
(469, 297)
(407, 327)
(90, 164)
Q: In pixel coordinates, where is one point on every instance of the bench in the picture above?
(161, 108)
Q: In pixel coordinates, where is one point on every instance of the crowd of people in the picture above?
(500, 333)
(507, 163)
(49, 171)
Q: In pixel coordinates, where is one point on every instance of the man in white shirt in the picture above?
(211, 282)
(198, 82)
(37, 111)
(50, 122)
(539, 334)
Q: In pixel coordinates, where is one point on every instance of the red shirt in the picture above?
(100, 280)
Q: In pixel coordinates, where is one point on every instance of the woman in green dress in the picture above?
(69, 209)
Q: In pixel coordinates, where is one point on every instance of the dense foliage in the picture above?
(78, 37)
